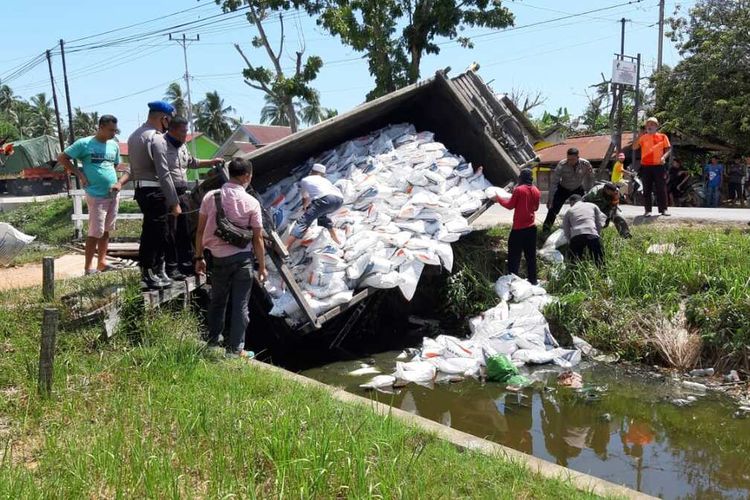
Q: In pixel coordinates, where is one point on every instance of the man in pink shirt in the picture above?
(231, 266)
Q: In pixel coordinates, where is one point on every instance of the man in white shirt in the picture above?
(582, 226)
(320, 199)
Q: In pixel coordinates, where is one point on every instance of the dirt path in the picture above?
(67, 266)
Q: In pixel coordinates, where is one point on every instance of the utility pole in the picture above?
(184, 41)
(71, 132)
(54, 99)
(618, 136)
(661, 35)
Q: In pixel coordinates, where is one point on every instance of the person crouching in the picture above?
(525, 202)
(320, 198)
(582, 226)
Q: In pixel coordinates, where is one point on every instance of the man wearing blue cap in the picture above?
(150, 186)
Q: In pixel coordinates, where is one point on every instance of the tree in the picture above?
(275, 111)
(396, 34)
(43, 116)
(274, 82)
(526, 101)
(8, 132)
(313, 112)
(549, 120)
(176, 98)
(708, 92)
(212, 117)
(85, 124)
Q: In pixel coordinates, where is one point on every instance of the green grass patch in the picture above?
(152, 414)
(709, 274)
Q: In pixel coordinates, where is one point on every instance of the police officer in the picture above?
(171, 154)
(150, 185)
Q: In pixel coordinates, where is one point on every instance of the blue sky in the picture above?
(560, 59)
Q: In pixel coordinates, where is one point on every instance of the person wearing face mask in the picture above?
(524, 202)
(149, 194)
(654, 147)
(231, 266)
(172, 161)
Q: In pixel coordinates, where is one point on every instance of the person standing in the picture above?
(713, 176)
(171, 155)
(150, 187)
(676, 180)
(654, 147)
(735, 176)
(231, 266)
(524, 202)
(572, 175)
(99, 155)
(582, 226)
(618, 169)
(320, 199)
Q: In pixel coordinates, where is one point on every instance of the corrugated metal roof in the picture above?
(590, 147)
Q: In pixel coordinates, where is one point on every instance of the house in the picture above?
(248, 137)
(199, 144)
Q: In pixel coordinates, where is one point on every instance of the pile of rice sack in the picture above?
(405, 198)
(515, 328)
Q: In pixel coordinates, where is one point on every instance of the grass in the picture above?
(50, 222)
(616, 309)
(152, 414)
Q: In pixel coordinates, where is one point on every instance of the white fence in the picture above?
(79, 216)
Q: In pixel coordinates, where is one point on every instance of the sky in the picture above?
(559, 58)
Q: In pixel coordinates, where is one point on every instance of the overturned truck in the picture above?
(413, 167)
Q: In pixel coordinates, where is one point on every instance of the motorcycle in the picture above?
(692, 193)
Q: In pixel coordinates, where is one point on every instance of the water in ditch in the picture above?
(623, 427)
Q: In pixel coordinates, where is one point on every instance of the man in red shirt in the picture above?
(525, 202)
(655, 148)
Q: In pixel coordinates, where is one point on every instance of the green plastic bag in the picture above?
(500, 368)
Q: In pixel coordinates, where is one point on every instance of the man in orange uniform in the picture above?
(655, 148)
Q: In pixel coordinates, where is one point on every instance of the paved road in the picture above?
(498, 215)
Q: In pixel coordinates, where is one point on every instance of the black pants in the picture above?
(179, 247)
(579, 244)
(561, 196)
(523, 241)
(155, 229)
(735, 191)
(653, 178)
(231, 285)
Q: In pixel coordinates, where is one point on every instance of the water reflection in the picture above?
(630, 436)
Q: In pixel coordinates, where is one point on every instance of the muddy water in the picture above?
(622, 427)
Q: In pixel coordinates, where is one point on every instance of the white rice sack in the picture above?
(410, 272)
(383, 281)
(494, 192)
(502, 286)
(12, 242)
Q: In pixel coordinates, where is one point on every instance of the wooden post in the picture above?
(47, 350)
(48, 279)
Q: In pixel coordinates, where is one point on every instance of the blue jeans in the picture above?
(319, 209)
(712, 196)
(231, 277)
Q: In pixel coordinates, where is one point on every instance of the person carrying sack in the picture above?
(225, 216)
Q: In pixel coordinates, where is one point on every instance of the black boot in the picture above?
(175, 274)
(151, 281)
(162, 275)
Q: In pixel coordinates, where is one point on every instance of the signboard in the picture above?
(624, 72)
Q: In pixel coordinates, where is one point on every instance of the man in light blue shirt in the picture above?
(99, 156)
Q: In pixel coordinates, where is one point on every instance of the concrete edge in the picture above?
(579, 480)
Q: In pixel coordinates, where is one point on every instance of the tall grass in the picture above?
(620, 307)
(155, 415)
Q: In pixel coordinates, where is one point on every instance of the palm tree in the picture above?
(85, 124)
(176, 98)
(212, 117)
(7, 99)
(43, 116)
(275, 111)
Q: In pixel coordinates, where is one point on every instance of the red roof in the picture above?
(590, 147)
(190, 137)
(245, 147)
(266, 134)
(124, 148)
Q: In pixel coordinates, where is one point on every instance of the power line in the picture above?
(184, 11)
(131, 94)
